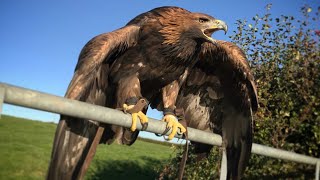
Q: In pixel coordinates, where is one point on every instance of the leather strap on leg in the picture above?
(167, 111)
(181, 117)
(139, 106)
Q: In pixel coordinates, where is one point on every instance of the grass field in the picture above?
(25, 148)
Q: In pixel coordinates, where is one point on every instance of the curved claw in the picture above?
(164, 132)
(173, 124)
(180, 132)
(144, 126)
(135, 115)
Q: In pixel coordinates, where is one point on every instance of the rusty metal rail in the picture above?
(37, 100)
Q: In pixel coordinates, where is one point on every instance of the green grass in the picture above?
(25, 148)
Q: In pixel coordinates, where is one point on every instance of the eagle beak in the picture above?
(220, 25)
(215, 25)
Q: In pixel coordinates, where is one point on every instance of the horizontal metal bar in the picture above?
(46, 102)
(282, 154)
(2, 91)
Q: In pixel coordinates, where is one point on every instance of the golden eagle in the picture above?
(153, 54)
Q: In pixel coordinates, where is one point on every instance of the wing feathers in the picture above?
(74, 138)
(101, 49)
(238, 61)
(222, 91)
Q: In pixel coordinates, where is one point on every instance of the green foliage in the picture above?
(195, 169)
(284, 54)
(25, 148)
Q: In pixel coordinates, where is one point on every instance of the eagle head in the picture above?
(180, 25)
(204, 26)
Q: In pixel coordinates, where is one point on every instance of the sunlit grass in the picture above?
(25, 148)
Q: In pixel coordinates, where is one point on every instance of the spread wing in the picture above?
(74, 136)
(219, 95)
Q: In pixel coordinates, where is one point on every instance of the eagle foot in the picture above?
(172, 123)
(136, 111)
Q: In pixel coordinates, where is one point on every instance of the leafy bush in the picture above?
(284, 54)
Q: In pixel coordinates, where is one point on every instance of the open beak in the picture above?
(215, 25)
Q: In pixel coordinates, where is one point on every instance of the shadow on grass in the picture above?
(115, 169)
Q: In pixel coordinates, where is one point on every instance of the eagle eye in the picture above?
(203, 20)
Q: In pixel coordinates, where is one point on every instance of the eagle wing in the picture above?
(219, 96)
(75, 136)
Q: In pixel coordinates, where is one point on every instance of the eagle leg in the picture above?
(169, 97)
(129, 99)
(136, 112)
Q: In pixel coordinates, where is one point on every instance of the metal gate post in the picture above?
(2, 91)
(223, 169)
(317, 170)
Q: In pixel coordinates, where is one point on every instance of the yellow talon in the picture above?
(173, 124)
(127, 107)
(143, 118)
(134, 121)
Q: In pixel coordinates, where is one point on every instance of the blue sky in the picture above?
(40, 40)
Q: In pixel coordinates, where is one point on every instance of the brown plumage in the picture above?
(219, 95)
(140, 60)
